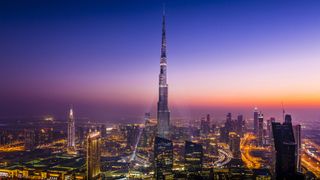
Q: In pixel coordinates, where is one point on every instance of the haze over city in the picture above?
(102, 57)
(159, 90)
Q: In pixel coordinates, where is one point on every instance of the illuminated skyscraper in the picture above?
(255, 120)
(163, 158)
(93, 155)
(163, 115)
(71, 133)
(297, 138)
(234, 144)
(260, 129)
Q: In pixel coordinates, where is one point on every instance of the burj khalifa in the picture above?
(163, 114)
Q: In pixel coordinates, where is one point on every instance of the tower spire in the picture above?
(164, 40)
(163, 115)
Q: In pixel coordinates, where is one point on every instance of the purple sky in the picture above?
(103, 57)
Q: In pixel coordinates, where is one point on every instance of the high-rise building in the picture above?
(297, 138)
(93, 155)
(29, 139)
(71, 133)
(240, 125)
(234, 144)
(255, 120)
(44, 136)
(103, 130)
(260, 129)
(228, 127)
(205, 125)
(193, 158)
(163, 114)
(285, 147)
(269, 126)
(132, 133)
(163, 158)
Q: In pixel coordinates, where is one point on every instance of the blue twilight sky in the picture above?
(103, 56)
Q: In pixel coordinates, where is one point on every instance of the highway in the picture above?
(15, 146)
(246, 147)
(310, 156)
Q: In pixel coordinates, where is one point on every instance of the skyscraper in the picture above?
(297, 138)
(205, 125)
(240, 125)
(163, 115)
(228, 127)
(163, 158)
(193, 158)
(71, 133)
(234, 144)
(29, 139)
(132, 132)
(255, 120)
(260, 129)
(93, 155)
(285, 147)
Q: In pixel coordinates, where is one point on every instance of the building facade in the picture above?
(193, 158)
(163, 158)
(163, 114)
(93, 155)
(71, 133)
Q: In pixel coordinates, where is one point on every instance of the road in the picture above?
(246, 147)
(310, 156)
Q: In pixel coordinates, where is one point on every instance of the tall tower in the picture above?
(255, 120)
(260, 129)
(163, 115)
(93, 155)
(71, 133)
(285, 148)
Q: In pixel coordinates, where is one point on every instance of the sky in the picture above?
(103, 57)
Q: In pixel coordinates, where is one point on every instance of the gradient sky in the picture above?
(103, 56)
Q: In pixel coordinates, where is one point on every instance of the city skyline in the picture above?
(224, 55)
(90, 115)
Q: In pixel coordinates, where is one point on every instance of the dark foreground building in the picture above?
(163, 158)
(193, 158)
(285, 147)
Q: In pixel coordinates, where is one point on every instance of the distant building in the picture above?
(205, 125)
(234, 144)
(44, 136)
(93, 155)
(132, 133)
(193, 158)
(255, 120)
(240, 125)
(71, 133)
(228, 127)
(103, 130)
(285, 147)
(297, 137)
(260, 129)
(163, 158)
(29, 139)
